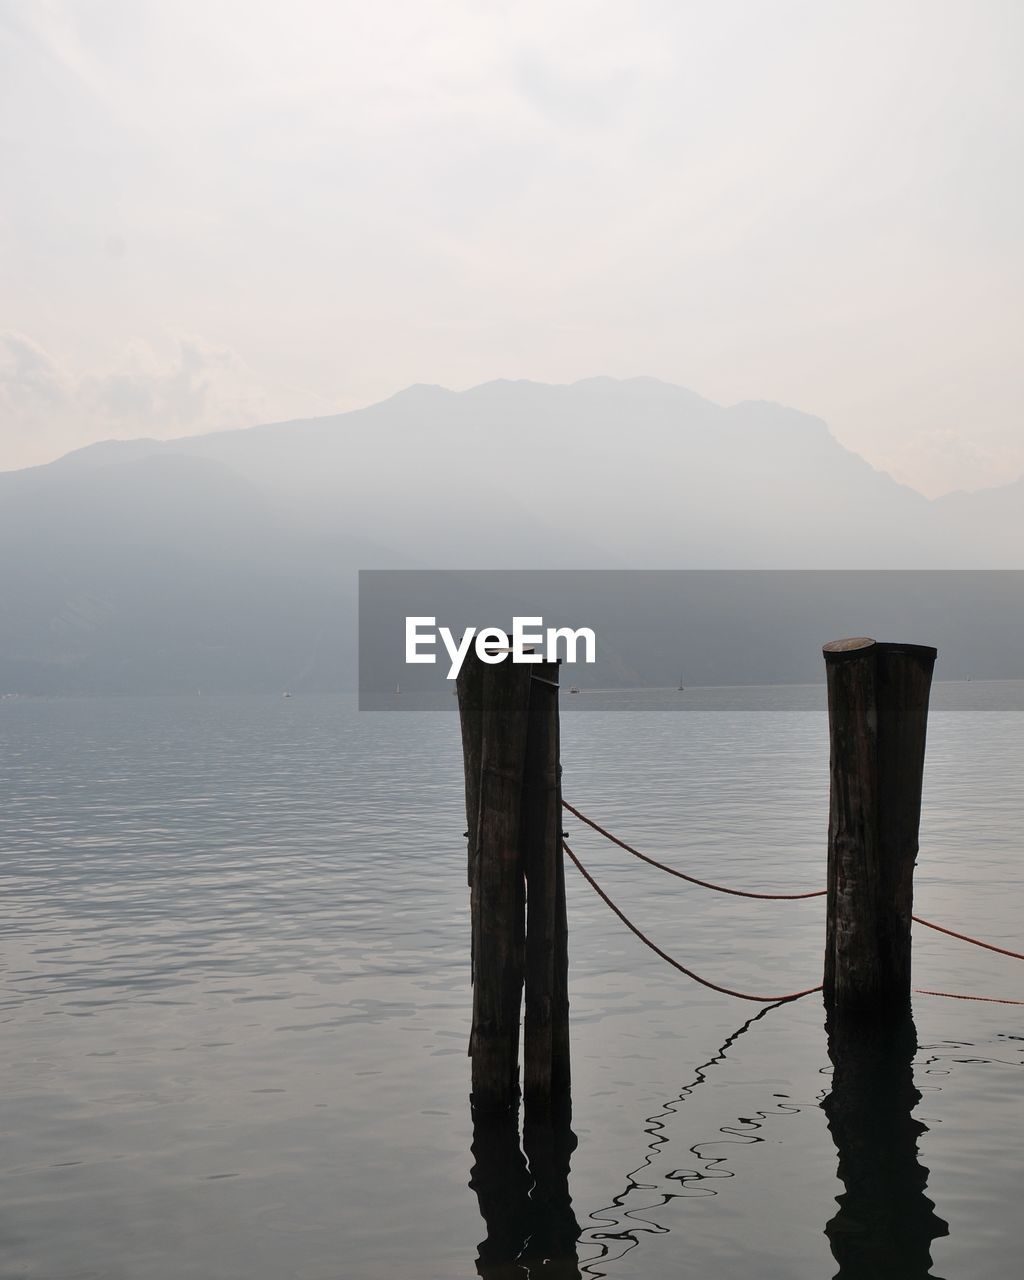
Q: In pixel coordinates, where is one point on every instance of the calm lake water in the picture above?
(236, 1002)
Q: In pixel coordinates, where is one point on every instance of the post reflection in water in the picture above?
(523, 1192)
(885, 1224)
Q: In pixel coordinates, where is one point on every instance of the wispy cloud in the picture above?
(186, 387)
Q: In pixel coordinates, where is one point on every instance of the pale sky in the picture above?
(221, 212)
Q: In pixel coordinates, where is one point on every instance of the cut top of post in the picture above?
(837, 650)
(855, 646)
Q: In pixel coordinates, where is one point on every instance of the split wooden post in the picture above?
(878, 715)
(497, 897)
(510, 738)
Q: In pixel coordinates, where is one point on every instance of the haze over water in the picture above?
(236, 992)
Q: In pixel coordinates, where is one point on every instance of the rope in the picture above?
(989, 946)
(712, 986)
(704, 884)
(952, 995)
(788, 897)
(794, 995)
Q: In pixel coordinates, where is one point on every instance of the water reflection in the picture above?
(523, 1193)
(630, 1214)
(885, 1224)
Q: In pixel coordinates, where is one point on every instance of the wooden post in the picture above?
(510, 740)
(561, 1076)
(878, 713)
(545, 1055)
(496, 861)
(470, 687)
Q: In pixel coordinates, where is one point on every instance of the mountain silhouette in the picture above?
(227, 561)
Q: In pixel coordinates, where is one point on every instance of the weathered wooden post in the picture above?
(470, 688)
(510, 738)
(546, 1049)
(878, 714)
(561, 1076)
(497, 897)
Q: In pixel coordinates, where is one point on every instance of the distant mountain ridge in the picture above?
(227, 560)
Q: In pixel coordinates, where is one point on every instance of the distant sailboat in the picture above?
(680, 686)
(398, 688)
(286, 694)
(573, 688)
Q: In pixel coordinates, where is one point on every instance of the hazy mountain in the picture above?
(227, 561)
